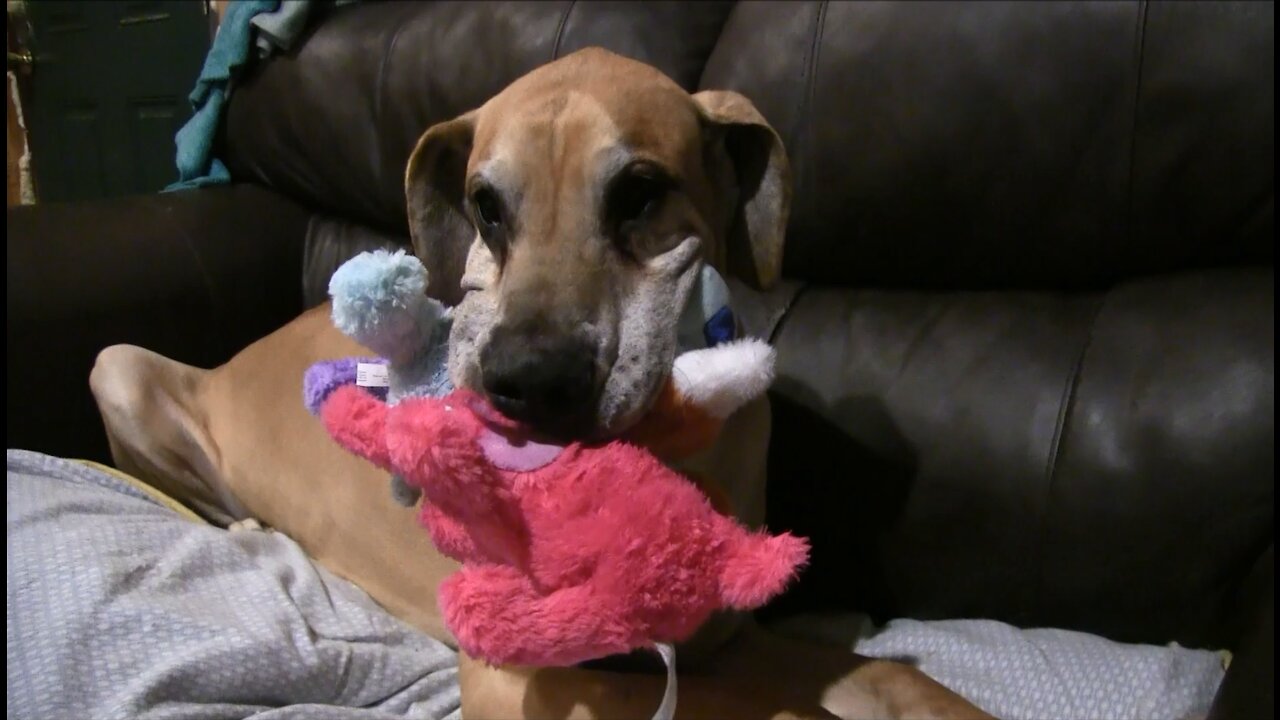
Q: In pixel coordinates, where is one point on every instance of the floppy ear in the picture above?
(434, 187)
(762, 176)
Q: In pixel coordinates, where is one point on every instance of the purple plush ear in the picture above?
(328, 375)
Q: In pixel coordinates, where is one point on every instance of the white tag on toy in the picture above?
(372, 375)
(667, 708)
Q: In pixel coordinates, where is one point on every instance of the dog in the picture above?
(565, 220)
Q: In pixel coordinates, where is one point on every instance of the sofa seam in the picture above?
(806, 131)
(216, 306)
(1140, 33)
(308, 248)
(564, 20)
(379, 97)
(1069, 391)
(382, 74)
(786, 313)
(706, 61)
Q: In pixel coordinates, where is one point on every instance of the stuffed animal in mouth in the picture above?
(379, 300)
(576, 551)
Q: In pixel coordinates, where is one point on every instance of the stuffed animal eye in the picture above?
(488, 209)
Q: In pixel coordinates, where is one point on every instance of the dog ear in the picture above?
(434, 186)
(762, 177)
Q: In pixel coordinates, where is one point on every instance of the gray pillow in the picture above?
(1034, 674)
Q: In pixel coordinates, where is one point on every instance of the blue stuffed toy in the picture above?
(380, 301)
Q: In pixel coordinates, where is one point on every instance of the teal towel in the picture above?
(197, 167)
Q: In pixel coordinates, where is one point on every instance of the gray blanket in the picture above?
(121, 607)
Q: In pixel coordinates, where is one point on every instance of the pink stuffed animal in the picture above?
(585, 551)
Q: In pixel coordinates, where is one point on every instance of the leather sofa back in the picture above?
(1014, 145)
(333, 124)
(1064, 145)
(1096, 461)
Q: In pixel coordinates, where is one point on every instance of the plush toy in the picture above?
(379, 300)
(578, 551)
(608, 550)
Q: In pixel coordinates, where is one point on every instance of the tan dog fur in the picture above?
(208, 437)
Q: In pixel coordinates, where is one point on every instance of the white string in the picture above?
(667, 708)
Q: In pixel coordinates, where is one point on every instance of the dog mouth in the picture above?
(491, 415)
(517, 421)
(510, 444)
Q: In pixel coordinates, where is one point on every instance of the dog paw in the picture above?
(247, 524)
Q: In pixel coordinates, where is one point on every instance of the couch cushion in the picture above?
(193, 275)
(1094, 462)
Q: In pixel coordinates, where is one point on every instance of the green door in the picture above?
(109, 86)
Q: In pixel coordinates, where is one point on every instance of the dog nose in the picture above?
(544, 379)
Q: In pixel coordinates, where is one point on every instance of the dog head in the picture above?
(567, 219)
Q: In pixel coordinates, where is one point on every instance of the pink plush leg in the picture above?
(497, 616)
(758, 566)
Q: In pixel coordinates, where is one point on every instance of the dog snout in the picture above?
(544, 379)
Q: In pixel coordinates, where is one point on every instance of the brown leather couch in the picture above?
(1029, 374)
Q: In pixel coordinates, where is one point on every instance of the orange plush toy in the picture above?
(706, 386)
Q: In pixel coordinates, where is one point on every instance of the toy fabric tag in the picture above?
(372, 375)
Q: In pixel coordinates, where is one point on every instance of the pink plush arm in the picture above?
(455, 476)
(358, 422)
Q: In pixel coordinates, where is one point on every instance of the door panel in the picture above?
(109, 91)
(78, 162)
(152, 124)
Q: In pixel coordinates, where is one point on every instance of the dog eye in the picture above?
(488, 209)
(634, 196)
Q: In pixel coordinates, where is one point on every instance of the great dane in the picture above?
(566, 220)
